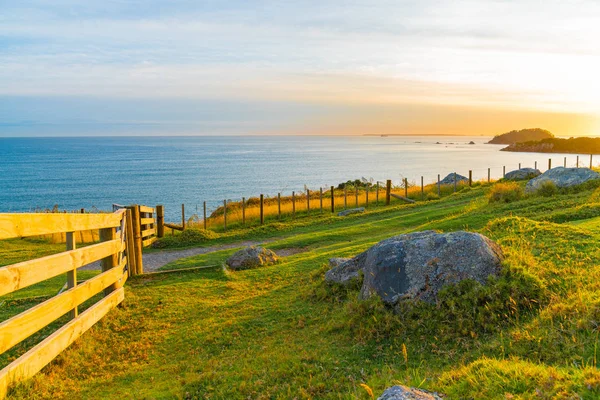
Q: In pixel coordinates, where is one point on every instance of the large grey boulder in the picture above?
(417, 265)
(351, 211)
(562, 178)
(522, 174)
(449, 179)
(251, 257)
(405, 393)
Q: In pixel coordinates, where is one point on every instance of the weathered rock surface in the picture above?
(562, 178)
(344, 270)
(449, 179)
(522, 174)
(417, 265)
(251, 257)
(405, 393)
(351, 211)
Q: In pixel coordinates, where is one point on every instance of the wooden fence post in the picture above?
(377, 194)
(278, 205)
(489, 175)
(406, 187)
(224, 215)
(160, 221)
(307, 201)
(332, 201)
(137, 240)
(293, 205)
(321, 198)
(535, 163)
(388, 191)
(262, 209)
(503, 171)
(356, 196)
(71, 275)
(183, 216)
(577, 162)
(204, 206)
(439, 186)
(422, 189)
(471, 178)
(367, 196)
(519, 165)
(130, 243)
(549, 163)
(591, 155)
(112, 261)
(565, 163)
(243, 211)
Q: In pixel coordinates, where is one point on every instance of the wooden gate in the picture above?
(110, 249)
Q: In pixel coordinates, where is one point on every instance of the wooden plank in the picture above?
(147, 221)
(20, 327)
(112, 260)
(29, 224)
(39, 356)
(148, 242)
(148, 232)
(397, 196)
(160, 221)
(129, 243)
(17, 276)
(173, 226)
(146, 209)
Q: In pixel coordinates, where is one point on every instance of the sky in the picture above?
(179, 67)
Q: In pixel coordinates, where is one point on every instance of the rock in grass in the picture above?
(449, 179)
(351, 211)
(251, 257)
(343, 270)
(562, 178)
(405, 393)
(522, 174)
(417, 265)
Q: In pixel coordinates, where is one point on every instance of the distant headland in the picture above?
(579, 145)
(524, 135)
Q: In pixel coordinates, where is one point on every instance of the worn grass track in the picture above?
(279, 333)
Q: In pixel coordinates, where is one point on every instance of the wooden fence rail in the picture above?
(111, 250)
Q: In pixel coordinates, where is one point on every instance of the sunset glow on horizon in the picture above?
(299, 67)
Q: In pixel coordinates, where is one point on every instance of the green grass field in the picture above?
(280, 333)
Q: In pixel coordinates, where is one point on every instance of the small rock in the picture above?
(471, 142)
(351, 211)
(522, 174)
(336, 261)
(562, 178)
(449, 179)
(405, 393)
(251, 257)
(344, 272)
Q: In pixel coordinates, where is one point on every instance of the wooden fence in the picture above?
(111, 250)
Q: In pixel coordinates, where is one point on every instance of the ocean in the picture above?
(95, 172)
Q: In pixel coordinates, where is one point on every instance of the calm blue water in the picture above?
(96, 172)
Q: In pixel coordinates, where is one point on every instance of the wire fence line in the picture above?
(430, 185)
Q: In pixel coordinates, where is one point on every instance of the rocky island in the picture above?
(524, 135)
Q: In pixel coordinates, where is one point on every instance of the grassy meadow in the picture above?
(280, 332)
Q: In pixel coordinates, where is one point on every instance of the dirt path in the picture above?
(153, 261)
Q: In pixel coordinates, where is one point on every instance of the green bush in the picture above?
(505, 192)
(547, 189)
(189, 237)
(432, 196)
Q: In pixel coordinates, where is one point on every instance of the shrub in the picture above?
(189, 237)
(505, 192)
(432, 196)
(547, 189)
